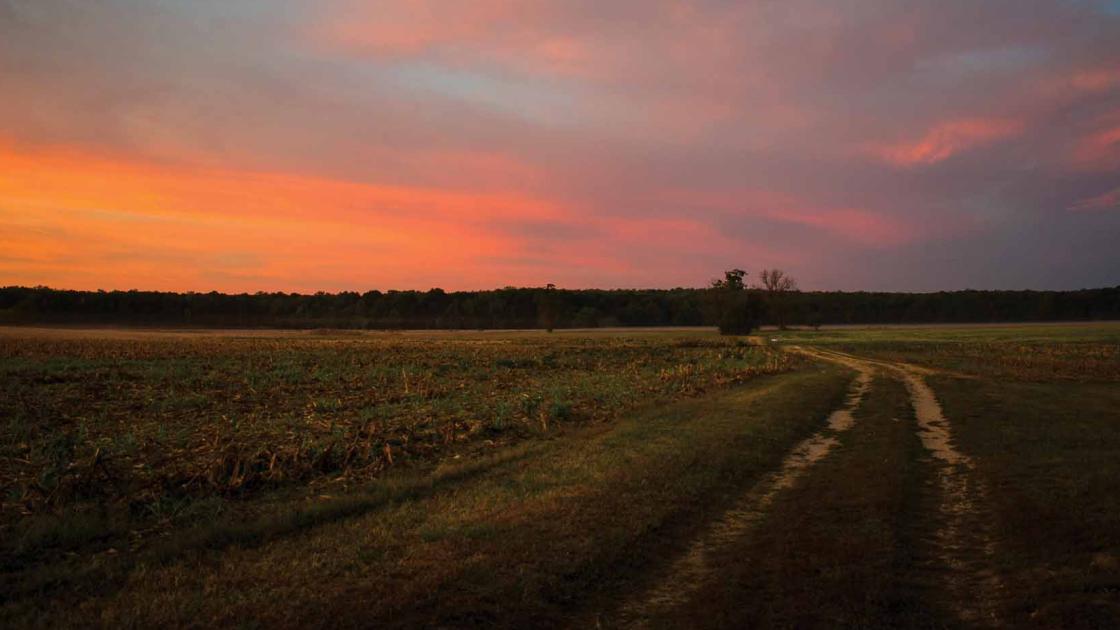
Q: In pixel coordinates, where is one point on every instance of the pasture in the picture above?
(622, 478)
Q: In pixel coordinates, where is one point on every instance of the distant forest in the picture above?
(539, 308)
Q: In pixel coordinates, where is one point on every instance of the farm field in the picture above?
(904, 477)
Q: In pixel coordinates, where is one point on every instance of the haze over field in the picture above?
(351, 145)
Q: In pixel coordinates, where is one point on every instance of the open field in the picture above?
(910, 477)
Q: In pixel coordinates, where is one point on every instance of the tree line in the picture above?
(733, 306)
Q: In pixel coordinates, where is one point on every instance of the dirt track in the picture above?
(965, 543)
(690, 570)
(960, 544)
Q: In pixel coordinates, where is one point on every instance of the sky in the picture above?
(275, 145)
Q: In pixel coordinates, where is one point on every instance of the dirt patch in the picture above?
(965, 541)
(935, 432)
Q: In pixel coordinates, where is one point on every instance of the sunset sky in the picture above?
(303, 146)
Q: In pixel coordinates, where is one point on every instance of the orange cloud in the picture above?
(947, 139)
(77, 219)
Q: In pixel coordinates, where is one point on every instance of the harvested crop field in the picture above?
(934, 477)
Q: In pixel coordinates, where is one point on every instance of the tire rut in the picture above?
(964, 543)
(684, 577)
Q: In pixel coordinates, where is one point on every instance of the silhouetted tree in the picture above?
(514, 307)
(776, 283)
(733, 303)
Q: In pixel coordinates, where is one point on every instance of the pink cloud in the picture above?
(1096, 79)
(947, 139)
(1099, 151)
(1105, 201)
(856, 225)
(513, 34)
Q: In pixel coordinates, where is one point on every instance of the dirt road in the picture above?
(956, 544)
(688, 572)
(965, 542)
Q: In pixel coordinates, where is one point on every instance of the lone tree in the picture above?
(735, 313)
(776, 283)
(733, 280)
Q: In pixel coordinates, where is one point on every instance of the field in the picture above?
(910, 477)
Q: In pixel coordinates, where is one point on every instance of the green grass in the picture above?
(1037, 408)
(1040, 353)
(1049, 451)
(1090, 332)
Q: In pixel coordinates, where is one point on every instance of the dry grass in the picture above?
(151, 433)
(514, 542)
